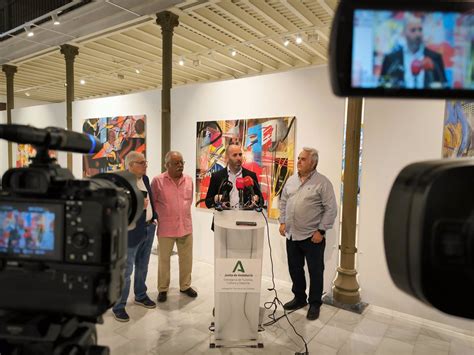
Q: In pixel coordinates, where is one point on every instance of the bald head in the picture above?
(234, 157)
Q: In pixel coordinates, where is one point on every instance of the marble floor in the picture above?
(180, 326)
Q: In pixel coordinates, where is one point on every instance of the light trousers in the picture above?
(185, 255)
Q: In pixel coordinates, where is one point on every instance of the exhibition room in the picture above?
(197, 79)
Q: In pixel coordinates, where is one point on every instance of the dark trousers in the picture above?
(297, 252)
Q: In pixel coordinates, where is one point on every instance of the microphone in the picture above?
(416, 67)
(51, 138)
(249, 183)
(226, 187)
(240, 185)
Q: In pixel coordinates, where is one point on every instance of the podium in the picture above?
(238, 251)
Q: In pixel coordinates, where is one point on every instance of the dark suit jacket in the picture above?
(219, 176)
(393, 71)
(136, 235)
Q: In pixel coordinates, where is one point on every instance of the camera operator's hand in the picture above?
(146, 201)
(217, 198)
(282, 229)
(255, 199)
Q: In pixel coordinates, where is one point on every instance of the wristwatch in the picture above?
(323, 232)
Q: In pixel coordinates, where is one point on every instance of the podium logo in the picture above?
(238, 267)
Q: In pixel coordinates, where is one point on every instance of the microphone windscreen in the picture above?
(239, 183)
(248, 181)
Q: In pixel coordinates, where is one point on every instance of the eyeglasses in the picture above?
(143, 162)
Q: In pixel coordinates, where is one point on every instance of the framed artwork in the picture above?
(25, 152)
(119, 136)
(458, 135)
(268, 145)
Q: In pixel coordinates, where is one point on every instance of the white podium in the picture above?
(238, 251)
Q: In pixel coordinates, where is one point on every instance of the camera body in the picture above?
(62, 242)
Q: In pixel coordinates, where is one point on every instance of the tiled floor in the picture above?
(180, 326)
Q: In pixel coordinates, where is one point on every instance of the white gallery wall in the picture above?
(396, 132)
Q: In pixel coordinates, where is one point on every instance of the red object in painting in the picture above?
(416, 67)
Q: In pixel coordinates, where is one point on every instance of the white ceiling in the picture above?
(116, 38)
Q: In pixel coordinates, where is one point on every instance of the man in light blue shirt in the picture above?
(307, 210)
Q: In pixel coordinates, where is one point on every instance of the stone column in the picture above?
(10, 71)
(70, 53)
(167, 21)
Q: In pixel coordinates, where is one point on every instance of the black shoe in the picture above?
(146, 302)
(313, 312)
(162, 296)
(190, 292)
(294, 304)
(121, 315)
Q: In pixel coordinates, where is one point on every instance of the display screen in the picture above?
(412, 50)
(31, 231)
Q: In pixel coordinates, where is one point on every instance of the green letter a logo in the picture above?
(239, 267)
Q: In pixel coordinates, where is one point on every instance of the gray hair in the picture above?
(169, 154)
(314, 155)
(131, 157)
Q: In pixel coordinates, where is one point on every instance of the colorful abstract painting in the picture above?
(458, 135)
(269, 149)
(25, 152)
(119, 135)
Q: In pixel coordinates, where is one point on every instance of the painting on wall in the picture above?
(25, 152)
(269, 149)
(119, 135)
(458, 135)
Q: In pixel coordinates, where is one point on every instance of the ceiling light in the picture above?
(120, 76)
(55, 19)
(181, 61)
(82, 82)
(137, 71)
(27, 94)
(286, 42)
(65, 84)
(299, 39)
(233, 52)
(28, 31)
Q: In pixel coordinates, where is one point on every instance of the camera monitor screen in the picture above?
(31, 231)
(413, 50)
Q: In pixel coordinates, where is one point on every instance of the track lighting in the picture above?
(82, 82)
(233, 52)
(137, 71)
(299, 39)
(286, 42)
(181, 61)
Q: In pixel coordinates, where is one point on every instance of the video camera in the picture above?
(381, 49)
(63, 245)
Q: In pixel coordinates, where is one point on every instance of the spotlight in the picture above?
(286, 42)
(181, 61)
(27, 94)
(55, 19)
(28, 31)
(299, 39)
(233, 52)
(137, 71)
(82, 82)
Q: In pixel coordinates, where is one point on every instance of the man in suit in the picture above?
(231, 173)
(140, 241)
(412, 65)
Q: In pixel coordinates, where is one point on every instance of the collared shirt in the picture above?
(412, 82)
(308, 206)
(173, 204)
(234, 194)
(149, 211)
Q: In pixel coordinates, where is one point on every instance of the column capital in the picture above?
(9, 70)
(69, 51)
(167, 20)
